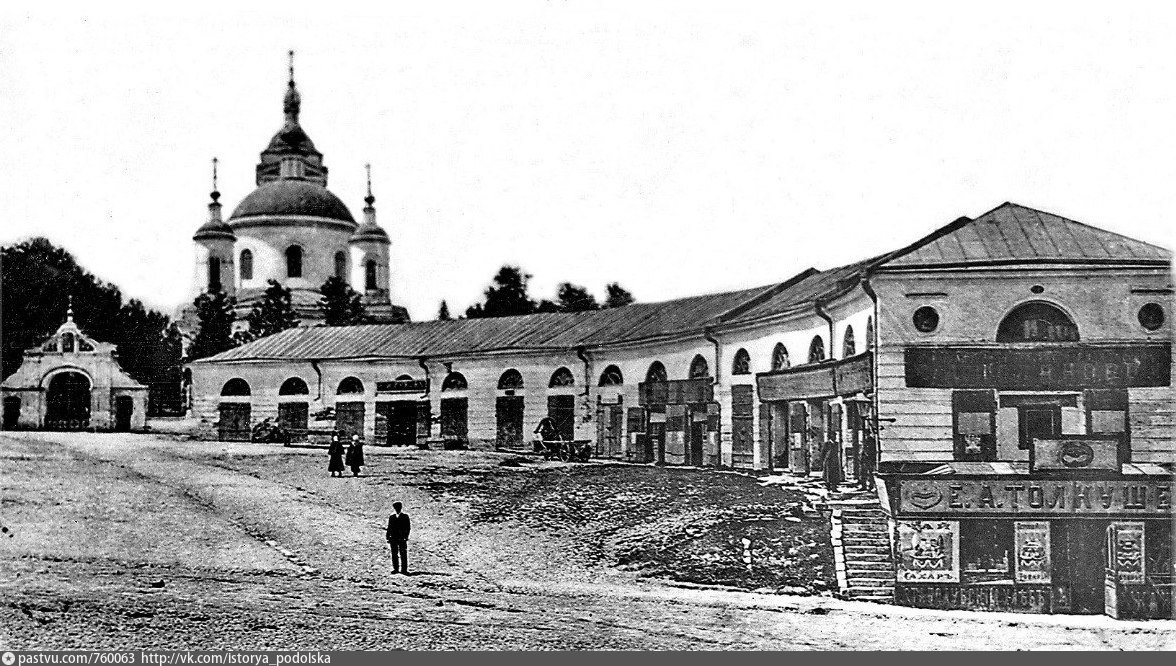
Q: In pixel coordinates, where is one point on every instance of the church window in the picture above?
(246, 265)
(340, 265)
(294, 261)
(369, 275)
(214, 276)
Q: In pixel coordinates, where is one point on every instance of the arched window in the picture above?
(656, 372)
(341, 265)
(67, 343)
(612, 376)
(699, 368)
(350, 386)
(742, 363)
(454, 381)
(1036, 321)
(870, 333)
(294, 261)
(511, 379)
(816, 350)
(369, 274)
(214, 276)
(293, 386)
(848, 345)
(561, 377)
(403, 378)
(246, 264)
(780, 357)
(236, 386)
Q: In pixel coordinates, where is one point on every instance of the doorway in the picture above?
(124, 409)
(455, 419)
(561, 409)
(349, 418)
(608, 430)
(293, 417)
(11, 412)
(1079, 565)
(696, 435)
(508, 410)
(69, 402)
(400, 420)
(234, 422)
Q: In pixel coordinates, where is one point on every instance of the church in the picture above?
(294, 230)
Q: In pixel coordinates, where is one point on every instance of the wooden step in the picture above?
(852, 564)
(867, 528)
(869, 557)
(857, 549)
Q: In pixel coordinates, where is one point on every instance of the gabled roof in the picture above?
(1012, 234)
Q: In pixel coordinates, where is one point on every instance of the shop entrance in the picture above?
(508, 411)
(400, 417)
(349, 418)
(608, 430)
(1079, 566)
(11, 412)
(694, 443)
(561, 409)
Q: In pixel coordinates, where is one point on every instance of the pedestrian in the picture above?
(547, 430)
(397, 535)
(868, 459)
(355, 455)
(831, 462)
(335, 466)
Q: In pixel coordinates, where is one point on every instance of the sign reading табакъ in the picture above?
(1034, 497)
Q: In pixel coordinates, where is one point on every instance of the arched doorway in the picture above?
(294, 408)
(235, 412)
(69, 402)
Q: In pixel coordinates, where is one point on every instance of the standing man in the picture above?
(869, 459)
(831, 462)
(398, 528)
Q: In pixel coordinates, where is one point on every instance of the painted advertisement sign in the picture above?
(1055, 367)
(1032, 551)
(1075, 452)
(928, 551)
(1128, 547)
(1035, 497)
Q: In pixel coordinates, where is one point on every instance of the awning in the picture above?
(823, 380)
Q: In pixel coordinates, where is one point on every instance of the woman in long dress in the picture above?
(355, 455)
(335, 467)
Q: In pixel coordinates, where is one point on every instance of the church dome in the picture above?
(289, 196)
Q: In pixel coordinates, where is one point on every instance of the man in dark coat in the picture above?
(355, 455)
(398, 528)
(831, 461)
(335, 464)
(868, 461)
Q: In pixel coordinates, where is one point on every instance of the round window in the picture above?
(1151, 316)
(926, 319)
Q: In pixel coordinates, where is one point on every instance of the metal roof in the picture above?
(1015, 233)
(1008, 232)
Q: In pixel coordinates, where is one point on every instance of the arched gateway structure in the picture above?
(72, 382)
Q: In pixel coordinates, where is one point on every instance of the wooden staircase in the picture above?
(861, 547)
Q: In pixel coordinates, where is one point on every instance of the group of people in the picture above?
(351, 456)
(829, 459)
(398, 523)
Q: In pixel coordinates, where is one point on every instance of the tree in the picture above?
(574, 298)
(340, 304)
(617, 296)
(214, 312)
(506, 297)
(443, 312)
(273, 313)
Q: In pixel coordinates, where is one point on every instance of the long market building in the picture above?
(1017, 367)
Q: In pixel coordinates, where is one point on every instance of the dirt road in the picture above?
(151, 542)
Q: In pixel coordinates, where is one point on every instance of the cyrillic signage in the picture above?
(403, 386)
(845, 377)
(928, 551)
(1075, 366)
(1034, 497)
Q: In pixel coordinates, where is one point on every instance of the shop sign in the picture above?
(928, 551)
(1032, 544)
(403, 386)
(1034, 497)
(1128, 547)
(1039, 368)
(1075, 452)
(846, 377)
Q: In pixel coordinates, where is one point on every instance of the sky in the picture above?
(677, 148)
